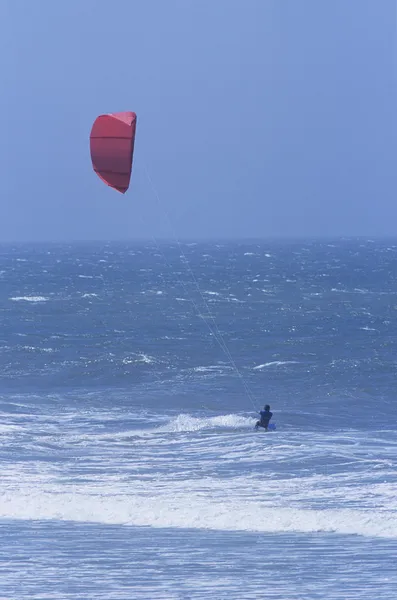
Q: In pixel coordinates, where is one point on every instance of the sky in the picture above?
(256, 118)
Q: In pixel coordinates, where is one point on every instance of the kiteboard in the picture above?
(270, 427)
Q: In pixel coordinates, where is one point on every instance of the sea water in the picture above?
(131, 378)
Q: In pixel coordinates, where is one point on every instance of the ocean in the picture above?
(131, 375)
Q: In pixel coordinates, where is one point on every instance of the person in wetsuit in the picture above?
(266, 415)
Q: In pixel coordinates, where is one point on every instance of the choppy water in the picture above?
(130, 377)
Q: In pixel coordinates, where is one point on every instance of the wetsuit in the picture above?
(266, 415)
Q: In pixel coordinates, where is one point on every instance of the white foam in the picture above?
(146, 359)
(30, 298)
(186, 422)
(156, 292)
(232, 298)
(38, 349)
(139, 358)
(211, 368)
(275, 363)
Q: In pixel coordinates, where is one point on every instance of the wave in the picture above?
(186, 509)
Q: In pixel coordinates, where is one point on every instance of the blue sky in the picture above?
(256, 118)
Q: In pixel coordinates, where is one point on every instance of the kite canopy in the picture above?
(112, 147)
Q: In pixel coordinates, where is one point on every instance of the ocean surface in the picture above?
(130, 380)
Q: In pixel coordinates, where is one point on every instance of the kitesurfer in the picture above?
(266, 415)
